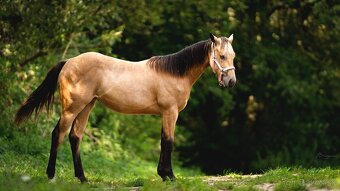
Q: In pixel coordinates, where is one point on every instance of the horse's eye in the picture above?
(222, 57)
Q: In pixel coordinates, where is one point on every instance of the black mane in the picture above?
(179, 63)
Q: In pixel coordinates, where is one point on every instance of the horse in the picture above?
(160, 85)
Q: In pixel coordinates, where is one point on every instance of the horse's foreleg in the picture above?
(58, 135)
(75, 137)
(167, 140)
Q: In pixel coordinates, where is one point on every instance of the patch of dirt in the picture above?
(238, 180)
(266, 186)
(211, 180)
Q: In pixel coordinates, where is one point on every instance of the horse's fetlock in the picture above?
(82, 178)
(166, 174)
(164, 171)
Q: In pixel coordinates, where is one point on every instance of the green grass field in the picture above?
(27, 172)
(24, 156)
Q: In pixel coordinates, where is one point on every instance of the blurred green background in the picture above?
(283, 111)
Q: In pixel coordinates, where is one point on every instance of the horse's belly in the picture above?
(130, 103)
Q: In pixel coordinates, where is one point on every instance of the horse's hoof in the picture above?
(83, 179)
(50, 176)
(52, 180)
(169, 177)
(173, 178)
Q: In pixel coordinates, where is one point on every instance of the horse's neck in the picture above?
(195, 73)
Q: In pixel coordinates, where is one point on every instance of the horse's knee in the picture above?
(167, 145)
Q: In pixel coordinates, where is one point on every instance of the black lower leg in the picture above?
(50, 171)
(164, 169)
(78, 167)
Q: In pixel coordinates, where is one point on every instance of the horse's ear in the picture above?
(212, 38)
(230, 39)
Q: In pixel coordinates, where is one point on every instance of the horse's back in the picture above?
(124, 86)
(92, 68)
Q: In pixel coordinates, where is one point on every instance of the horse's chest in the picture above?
(182, 104)
(182, 99)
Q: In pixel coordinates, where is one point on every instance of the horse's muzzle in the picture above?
(228, 82)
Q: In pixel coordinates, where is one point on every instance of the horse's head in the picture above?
(222, 60)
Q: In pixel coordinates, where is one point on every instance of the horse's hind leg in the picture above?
(50, 171)
(58, 135)
(76, 135)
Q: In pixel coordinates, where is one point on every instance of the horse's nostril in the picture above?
(231, 83)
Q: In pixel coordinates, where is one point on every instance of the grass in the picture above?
(26, 172)
(23, 161)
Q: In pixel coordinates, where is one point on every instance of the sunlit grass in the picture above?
(23, 161)
(27, 173)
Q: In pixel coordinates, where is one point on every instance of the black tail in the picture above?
(43, 95)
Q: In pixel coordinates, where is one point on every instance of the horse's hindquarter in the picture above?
(78, 81)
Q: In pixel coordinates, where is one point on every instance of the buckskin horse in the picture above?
(160, 85)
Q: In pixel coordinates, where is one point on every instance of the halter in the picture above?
(222, 69)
